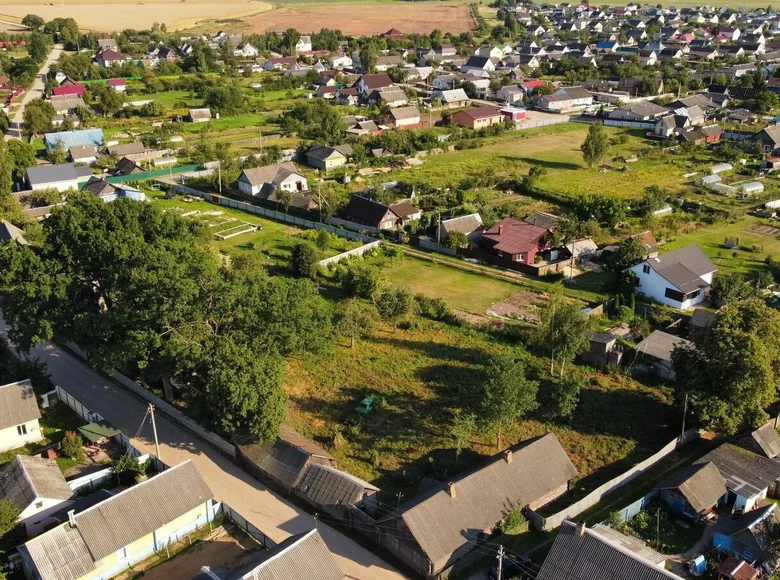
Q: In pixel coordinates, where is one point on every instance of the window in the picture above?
(645, 268)
(21, 429)
(675, 295)
(518, 257)
(500, 254)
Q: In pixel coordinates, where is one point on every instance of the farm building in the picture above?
(199, 115)
(723, 189)
(478, 118)
(693, 491)
(764, 440)
(264, 180)
(602, 350)
(749, 536)
(468, 225)
(752, 187)
(657, 349)
(513, 113)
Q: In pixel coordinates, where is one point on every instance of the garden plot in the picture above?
(764, 230)
(226, 227)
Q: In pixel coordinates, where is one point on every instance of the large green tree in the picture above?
(22, 156)
(110, 101)
(731, 374)
(38, 115)
(6, 170)
(595, 146)
(508, 395)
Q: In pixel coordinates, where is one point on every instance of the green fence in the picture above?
(147, 175)
(104, 81)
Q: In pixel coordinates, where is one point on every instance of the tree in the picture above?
(630, 251)
(290, 40)
(356, 319)
(110, 101)
(368, 57)
(563, 398)
(38, 47)
(653, 198)
(9, 516)
(728, 288)
(564, 331)
(57, 154)
(38, 115)
(464, 425)
(595, 146)
(323, 240)
(33, 22)
(6, 170)
(305, 260)
(507, 395)
(227, 100)
(23, 155)
(639, 327)
(360, 280)
(456, 240)
(393, 304)
(731, 374)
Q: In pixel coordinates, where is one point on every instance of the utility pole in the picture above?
(438, 231)
(154, 430)
(500, 562)
(399, 495)
(219, 174)
(685, 412)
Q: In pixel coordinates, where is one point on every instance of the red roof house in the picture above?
(515, 240)
(77, 90)
(393, 33)
(118, 85)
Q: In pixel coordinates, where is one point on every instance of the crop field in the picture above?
(366, 19)
(422, 376)
(114, 15)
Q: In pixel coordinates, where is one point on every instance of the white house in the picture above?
(303, 44)
(19, 416)
(246, 51)
(266, 180)
(61, 177)
(679, 279)
(36, 487)
(339, 61)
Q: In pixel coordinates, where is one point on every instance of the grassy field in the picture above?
(425, 375)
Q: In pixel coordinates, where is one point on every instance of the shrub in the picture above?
(128, 469)
(72, 446)
(514, 520)
(433, 308)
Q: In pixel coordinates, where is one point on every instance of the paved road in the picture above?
(263, 508)
(35, 92)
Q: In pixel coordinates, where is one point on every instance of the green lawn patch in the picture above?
(662, 530)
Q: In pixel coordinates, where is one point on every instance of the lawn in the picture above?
(661, 530)
(422, 376)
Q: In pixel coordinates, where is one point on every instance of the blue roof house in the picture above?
(68, 139)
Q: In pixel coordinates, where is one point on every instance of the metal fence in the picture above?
(147, 175)
(242, 523)
(80, 409)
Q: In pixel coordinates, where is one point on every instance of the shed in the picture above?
(97, 432)
(658, 347)
(693, 490)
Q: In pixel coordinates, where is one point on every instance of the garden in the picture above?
(661, 530)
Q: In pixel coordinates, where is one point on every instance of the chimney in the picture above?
(72, 518)
(500, 229)
(581, 528)
(451, 489)
(508, 455)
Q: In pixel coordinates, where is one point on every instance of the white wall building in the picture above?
(19, 416)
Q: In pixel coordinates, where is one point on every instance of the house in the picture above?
(764, 440)
(10, 233)
(564, 99)
(442, 524)
(109, 192)
(283, 462)
(478, 118)
(693, 491)
(68, 139)
(656, 350)
(335, 492)
(63, 177)
(408, 117)
(86, 154)
(513, 242)
(385, 62)
(749, 476)
(641, 111)
(246, 51)
(390, 96)
(126, 166)
(303, 44)
(469, 225)
(109, 57)
(580, 553)
(107, 538)
(453, 98)
(19, 414)
(510, 94)
(134, 151)
(326, 157)
(280, 63)
(488, 51)
(406, 212)
(66, 104)
(76, 90)
(119, 85)
(377, 215)
(36, 488)
(769, 137)
(749, 536)
(302, 556)
(367, 84)
(199, 115)
(348, 96)
(699, 135)
(339, 61)
(479, 65)
(679, 279)
(266, 181)
(392, 34)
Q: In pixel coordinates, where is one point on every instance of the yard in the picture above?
(421, 377)
(662, 531)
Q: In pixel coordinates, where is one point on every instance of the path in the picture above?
(35, 92)
(273, 515)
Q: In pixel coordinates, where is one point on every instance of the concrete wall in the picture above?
(354, 252)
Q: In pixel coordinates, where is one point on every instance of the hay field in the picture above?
(115, 15)
(359, 19)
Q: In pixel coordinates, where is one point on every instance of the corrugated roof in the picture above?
(140, 510)
(768, 439)
(26, 479)
(465, 224)
(74, 138)
(659, 345)
(584, 554)
(515, 236)
(18, 404)
(60, 554)
(327, 486)
(270, 173)
(543, 219)
(301, 557)
(443, 525)
(701, 484)
(745, 472)
(630, 543)
(134, 148)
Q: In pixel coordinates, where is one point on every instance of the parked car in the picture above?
(512, 566)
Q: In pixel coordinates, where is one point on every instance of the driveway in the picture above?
(35, 92)
(273, 515)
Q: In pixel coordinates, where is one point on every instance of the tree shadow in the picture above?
(546, 163)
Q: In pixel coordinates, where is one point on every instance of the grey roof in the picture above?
(134, 148)
(630, 543)
(465, 224)
(17, 404)
(745, 472)
(60, 554)
(285, 459)
(135, 512)
(684, 267)
(444, 525)
(200, 113)
(584, 554)
(405, 113)
(270, 173)
(703, 318)
(701, 484)
(302, 557)
(603, 337)
(768, 439)
(82, 151)
(323, 152)
(542, 219)
(659, 345)
(126, 166)
(451, 95)
(753, 532)
(9, 232)
(98, 186)
(327, 486)
(745, 521)
(51, 173)
(26, 479)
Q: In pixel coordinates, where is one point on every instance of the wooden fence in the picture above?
(241, 522)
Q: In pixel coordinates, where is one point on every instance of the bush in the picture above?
(72, 445)
(128, 469)
(433, 308)
(360, 280)
(514, 520)
(305, 260)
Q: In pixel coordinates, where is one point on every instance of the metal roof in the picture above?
(701, 484)
(443, 524)
(140, 510)
(745, 472)
(579, 553)
(659, 345)
(25, 479)
(768, 439)
(630, 543)
(60, 554)
(327, 486)
(70, 139)
(18, 404)
(302, 557)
